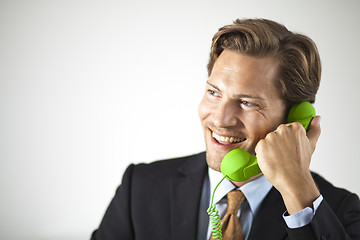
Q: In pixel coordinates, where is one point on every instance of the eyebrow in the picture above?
(214, 86)
(241, 95)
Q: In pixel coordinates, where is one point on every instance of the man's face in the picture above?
(240, 106)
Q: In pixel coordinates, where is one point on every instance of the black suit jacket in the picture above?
(161, 201)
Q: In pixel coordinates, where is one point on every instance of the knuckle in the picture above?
(274, 134)
(297, 125)
(281, 127)
(260, 144)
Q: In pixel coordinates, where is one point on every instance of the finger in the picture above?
(314, 131)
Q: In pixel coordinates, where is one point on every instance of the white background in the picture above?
(88, 87)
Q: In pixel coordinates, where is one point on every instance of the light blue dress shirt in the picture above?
(255, 192)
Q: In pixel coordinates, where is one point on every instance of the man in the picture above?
(257, 71)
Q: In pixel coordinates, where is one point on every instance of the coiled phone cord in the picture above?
(214, 216)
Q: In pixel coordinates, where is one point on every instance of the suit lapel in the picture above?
(185, 197)
(269, 223)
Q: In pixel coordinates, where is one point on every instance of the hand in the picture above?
(284, 158)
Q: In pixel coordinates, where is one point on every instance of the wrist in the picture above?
(299, 196)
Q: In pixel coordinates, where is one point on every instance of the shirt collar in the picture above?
(254, 191)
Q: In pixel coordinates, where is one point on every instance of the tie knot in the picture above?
(235, 199)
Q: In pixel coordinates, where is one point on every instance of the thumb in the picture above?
(314, 131)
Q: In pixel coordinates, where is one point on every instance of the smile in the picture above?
(228, 139)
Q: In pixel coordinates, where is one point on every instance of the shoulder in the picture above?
(168, 167)
(335, 196)
(160, 177)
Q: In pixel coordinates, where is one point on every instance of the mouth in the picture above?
(227, 140)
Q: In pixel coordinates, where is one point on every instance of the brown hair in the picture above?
(298, 58)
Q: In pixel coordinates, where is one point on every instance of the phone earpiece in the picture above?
(303, 113)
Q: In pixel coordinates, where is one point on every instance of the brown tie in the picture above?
(230, 224)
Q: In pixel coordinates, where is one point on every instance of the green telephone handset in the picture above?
(238, 165)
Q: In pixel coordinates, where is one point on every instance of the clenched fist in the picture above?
(284, 158)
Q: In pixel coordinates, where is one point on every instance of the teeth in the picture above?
(227, 139)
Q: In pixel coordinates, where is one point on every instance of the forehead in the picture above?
(236, 73)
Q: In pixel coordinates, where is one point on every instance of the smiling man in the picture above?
(257, 71)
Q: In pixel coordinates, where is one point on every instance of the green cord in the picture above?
(212, 197)
(214, 216)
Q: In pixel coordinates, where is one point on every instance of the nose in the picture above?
(225, 115)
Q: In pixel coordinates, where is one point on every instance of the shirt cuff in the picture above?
(303, 217)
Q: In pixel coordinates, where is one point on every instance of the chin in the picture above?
(213, 160)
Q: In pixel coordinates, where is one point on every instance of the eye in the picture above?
(247, 104)
(213, 93)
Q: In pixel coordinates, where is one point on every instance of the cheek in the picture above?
(256, 126)
(204, 109)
